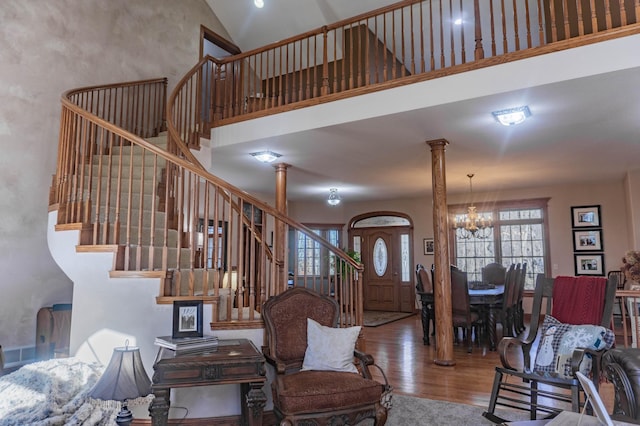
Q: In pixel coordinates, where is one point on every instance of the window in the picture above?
(518, 237)
(310, 257)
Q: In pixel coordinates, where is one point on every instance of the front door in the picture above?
(387, 278)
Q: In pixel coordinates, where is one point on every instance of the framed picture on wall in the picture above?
(428, 245)
(585, 216)
(187, 318)
(587, 240)
(589, 264)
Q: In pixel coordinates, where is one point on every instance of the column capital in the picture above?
(437, 142)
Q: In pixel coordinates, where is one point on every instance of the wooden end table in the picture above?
(235, 361)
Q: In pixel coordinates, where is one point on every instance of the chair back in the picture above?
(494, 273)
(285, 320)
(620, 276)
(543, 302)
(423, 282)
(509, 287)
(459, 294)
(520, 280)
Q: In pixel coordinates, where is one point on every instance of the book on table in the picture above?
(186, 343)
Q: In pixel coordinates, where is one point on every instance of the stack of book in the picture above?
(187, 344)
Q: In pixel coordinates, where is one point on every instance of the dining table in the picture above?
(487, 299)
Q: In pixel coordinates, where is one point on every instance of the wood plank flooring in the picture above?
(408, 364)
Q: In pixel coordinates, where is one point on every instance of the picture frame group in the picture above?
(588, 245)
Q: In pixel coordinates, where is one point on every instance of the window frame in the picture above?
(495, 208)
(322, 229)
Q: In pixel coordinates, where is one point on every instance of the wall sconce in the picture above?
(334, 198)
(266, 156)
(512, 116)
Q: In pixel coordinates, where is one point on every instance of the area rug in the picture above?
(411, 411)
(376, 318)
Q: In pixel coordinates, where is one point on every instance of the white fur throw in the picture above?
(55, 392)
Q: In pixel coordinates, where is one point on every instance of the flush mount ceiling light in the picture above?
(334, 198)
(512, 116)
(266, 156)
(259, 3)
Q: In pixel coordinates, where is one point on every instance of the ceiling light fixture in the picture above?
(266, 156)
(472, 225)
(259, 3)
(334, 198)
(512, 116)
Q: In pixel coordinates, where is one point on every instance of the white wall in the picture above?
(46, 48)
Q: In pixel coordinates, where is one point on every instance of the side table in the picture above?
(235, 361)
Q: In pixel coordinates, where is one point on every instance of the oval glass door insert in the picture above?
(380, 257)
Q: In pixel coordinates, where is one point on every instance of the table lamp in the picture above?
(124, 378)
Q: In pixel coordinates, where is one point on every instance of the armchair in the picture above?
(572, 338)
(316, 381)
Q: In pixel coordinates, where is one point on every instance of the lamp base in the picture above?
(124, 417)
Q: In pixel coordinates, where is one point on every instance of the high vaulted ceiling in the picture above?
(585, 124)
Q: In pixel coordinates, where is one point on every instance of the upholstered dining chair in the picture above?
(572, 337)
(494, 273)
(424, 290)
(462, 314)
(320, 378)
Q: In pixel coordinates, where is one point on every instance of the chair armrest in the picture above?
(505, 345)
(364, 361)
(280, 366)
(596, 361)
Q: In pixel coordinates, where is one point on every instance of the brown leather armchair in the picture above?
(316, 396)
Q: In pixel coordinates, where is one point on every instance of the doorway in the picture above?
(384, 241)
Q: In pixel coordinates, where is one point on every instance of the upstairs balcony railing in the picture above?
(403, 43)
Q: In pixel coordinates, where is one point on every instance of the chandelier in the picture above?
(472, 225)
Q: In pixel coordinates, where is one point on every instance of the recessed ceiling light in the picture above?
(259, 3)
(512, 116)
(266, 156)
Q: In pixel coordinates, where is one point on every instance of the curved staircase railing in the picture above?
(165, 217)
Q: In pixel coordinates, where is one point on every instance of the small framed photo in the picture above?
(585, 216)
(187, 318)
(589, 264)
(428, 245)
(587, 240)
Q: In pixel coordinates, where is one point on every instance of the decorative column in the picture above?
(279, 243)
(442, 273)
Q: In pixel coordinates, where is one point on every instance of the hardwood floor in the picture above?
(408, 364)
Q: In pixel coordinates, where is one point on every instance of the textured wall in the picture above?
(46, 48)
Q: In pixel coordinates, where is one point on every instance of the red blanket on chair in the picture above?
(578, 300)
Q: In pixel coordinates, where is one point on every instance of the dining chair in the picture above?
(424, 290)
(504, 310)
(621, 277)
(462, 314)
(494, 273)
(518, 306)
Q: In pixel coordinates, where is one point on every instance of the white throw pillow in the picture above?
(330, 348)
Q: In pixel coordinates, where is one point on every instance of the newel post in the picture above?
(280, 227)
(442, 273)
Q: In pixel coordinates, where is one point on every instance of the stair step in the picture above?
(126, 160)
(172, 261)
(136, 172)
